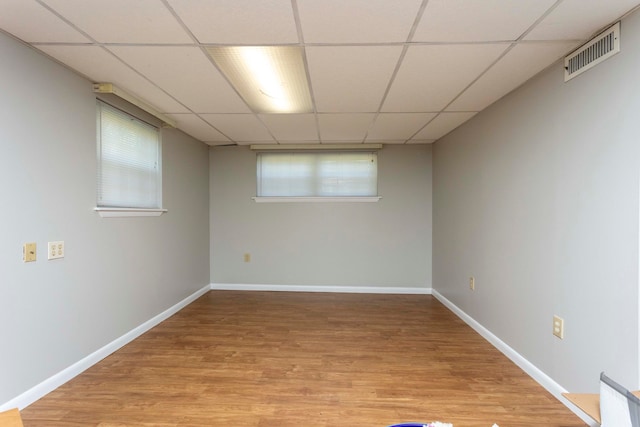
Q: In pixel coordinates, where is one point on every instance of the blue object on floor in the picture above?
(410, 425)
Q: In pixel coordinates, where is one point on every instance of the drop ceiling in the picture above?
(380, 71)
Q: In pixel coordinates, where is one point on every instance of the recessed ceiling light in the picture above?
(271, 79)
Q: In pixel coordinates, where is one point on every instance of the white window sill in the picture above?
(128, 212)
(316, 199)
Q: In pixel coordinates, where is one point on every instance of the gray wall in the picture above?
(384, 244)
(117, 272)
(537, 197)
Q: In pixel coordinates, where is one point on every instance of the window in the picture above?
(129, 162)
(317, 174)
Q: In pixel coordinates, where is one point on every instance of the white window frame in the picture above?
(106, 208)
(313, 178)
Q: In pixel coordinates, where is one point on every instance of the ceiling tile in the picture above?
(517, 66)
(579, 19)
(351, 78)
(32, 22)
(199, 129)
(442, 125)
(238, 21)
(344, 127)
(239, 127)
(177, 68)
(398, 125)
(123, 21)
(478, 20)
(432, 75)
(291, 127)
(357, 21)
(104, 67)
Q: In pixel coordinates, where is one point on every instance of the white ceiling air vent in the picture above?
(601, 47)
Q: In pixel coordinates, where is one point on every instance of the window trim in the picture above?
(318, 199)
(127, 212)
(315, 147)
(141, 116)
(373, 196)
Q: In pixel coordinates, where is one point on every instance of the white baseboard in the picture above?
(55, 381)
(335, 289)
(540, 377)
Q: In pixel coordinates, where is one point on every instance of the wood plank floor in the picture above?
(262, 359)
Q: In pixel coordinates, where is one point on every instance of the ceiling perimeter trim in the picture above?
(316, 147)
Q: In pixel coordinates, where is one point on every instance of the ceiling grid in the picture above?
(379, 71)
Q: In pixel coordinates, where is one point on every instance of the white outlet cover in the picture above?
(558, 327)
(55, 250)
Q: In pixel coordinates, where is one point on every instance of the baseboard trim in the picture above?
(55, 381)
(540, 377)
(332, 289)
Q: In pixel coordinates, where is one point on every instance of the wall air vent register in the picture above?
(598, 49)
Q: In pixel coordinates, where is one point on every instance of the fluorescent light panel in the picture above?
(271, 79)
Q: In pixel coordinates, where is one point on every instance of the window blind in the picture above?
(317, 174)
(129, 173)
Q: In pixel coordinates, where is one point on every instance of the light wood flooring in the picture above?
(263, 359)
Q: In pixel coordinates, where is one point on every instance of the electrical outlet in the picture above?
(29, 252)
(55, 250)
(558, 327)
(247, 257)
(472, 283)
